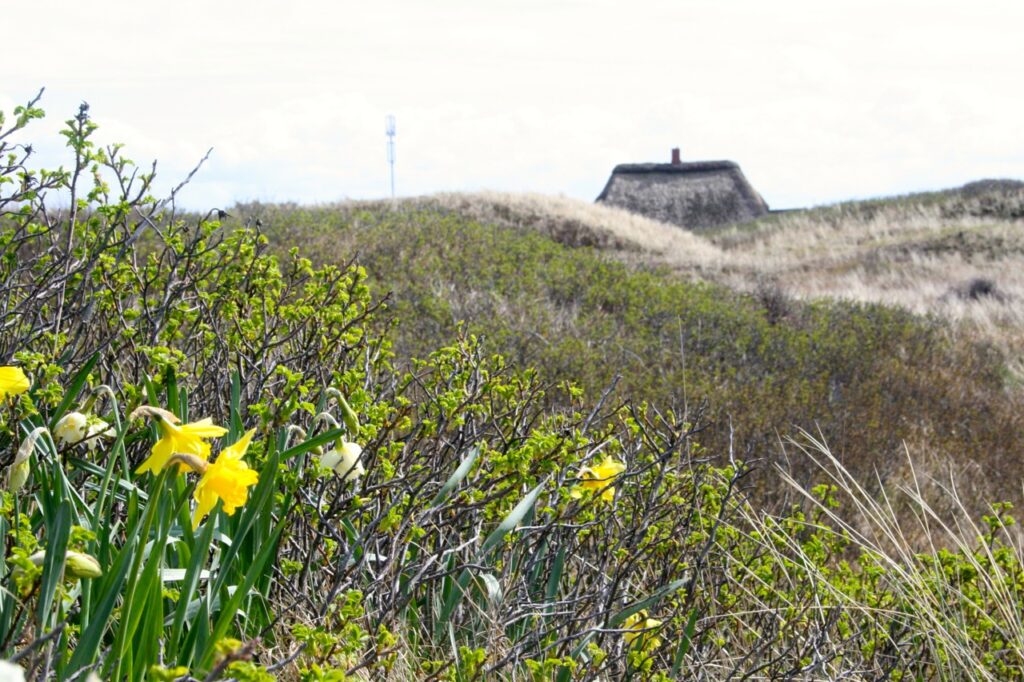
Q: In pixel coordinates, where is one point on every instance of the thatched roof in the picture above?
(693, 195)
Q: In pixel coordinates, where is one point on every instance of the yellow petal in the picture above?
(238, 449)
(157, 460)
(12, 381)
(228, 479)
(204, 428)
(205, 502)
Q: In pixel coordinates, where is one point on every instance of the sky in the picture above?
(818, 101)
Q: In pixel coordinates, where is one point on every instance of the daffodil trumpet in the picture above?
(227, 479)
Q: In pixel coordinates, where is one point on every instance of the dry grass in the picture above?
(579, 223)
(958, 254)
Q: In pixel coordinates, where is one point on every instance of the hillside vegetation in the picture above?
(958, 254)
(378, 442)
(750, 368)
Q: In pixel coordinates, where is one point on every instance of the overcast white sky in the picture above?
(817, 100)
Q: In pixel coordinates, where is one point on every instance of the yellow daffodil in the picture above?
(12, 381)
(344, 460)
(599, 478)
(639, 629)
(227, 479)
(175, 438)
(75, 427)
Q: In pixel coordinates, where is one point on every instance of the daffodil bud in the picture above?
(17, 475)
(75, 427)
(11, 672)
(329, 459)
(349, 465)
(344, 460)
(70, 429)
(349, 416)
(37, 559)
(79, 565)
(19, 470)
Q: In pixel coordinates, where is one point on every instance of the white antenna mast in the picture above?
(389, 130)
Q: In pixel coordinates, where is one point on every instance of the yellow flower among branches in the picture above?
(177, 439)
(640, 630)
(12, 381)
(598, 479)
(227, 479)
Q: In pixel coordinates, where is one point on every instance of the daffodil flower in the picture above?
(75, 427)
(12, 381)
(177, 438)
(226, 479)
(344, 460)
(639, 630)
(599, 478)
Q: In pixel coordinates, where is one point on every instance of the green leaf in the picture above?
(684, 645)
(507, 524)
(229, 610)
(188, 588)
(637, 606)
(73, 389)
(109, 592)
(302, 448)
(57, 532)
(453, 481)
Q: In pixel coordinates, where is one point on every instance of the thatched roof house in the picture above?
(693, 195)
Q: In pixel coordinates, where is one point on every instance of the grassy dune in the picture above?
(958, 254)
(705, 327)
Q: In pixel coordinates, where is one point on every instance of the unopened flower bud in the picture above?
(349, 417)
(350, 467)
(70, 429)
(79, 565)
(11, 672)
(19, 470)
(344, 460)
(75, 427)
(17, 475)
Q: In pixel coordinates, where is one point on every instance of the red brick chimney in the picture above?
(675, 157)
